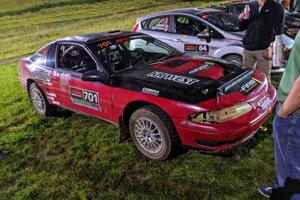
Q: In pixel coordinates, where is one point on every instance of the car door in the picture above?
(92, 98)
(186, 29)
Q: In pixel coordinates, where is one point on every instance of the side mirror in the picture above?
(94, 76)
(204, 35)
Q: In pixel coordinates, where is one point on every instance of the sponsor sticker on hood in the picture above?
(150, 91)
(172, 77)
(201, 68)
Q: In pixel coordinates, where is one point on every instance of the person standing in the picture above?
(286, 126)
(261, 23)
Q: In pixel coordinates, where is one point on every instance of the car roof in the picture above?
(93, 37)
(191, 11)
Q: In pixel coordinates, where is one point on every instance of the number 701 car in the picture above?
(163, 99)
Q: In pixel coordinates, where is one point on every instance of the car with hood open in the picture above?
(205, 30)
(163, 99)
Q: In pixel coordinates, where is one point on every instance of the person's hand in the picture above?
(282, 114)
(286, 52)
(242, 16)
(268, 53)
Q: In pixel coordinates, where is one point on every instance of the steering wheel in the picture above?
(139, 51)
(139, 55)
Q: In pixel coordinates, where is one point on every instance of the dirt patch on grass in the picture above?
(43, 155)
(136, 175)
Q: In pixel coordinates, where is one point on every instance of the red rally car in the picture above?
(160, 97)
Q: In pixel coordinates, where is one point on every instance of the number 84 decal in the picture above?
(195, 47)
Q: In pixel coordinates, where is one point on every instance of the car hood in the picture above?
(185, 79)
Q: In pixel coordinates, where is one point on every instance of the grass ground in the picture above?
(79, 157)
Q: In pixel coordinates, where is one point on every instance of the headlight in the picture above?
(223, 115)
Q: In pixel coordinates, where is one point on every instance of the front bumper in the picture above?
(225, 136)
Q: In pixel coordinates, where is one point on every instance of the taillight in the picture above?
(134, 29)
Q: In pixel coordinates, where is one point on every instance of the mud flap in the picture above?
(124, 130)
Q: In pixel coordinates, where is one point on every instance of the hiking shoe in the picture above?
(4, 154)
(265, 190)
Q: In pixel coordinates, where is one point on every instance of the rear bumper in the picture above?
(23, 83)
(225, 136)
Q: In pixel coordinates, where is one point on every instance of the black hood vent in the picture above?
(175, 63)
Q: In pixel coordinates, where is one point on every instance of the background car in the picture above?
(208, 31)
(160, 97)
(186, 29)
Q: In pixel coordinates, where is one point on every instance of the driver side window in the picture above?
(187, 26)
(75, 58)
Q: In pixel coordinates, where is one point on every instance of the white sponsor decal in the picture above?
(265, 102)
(85, 98)
(204, 48)
(55, 74)
(172, 77)
(56, 103)
(199, 69)
(150, 91)
(248, 85)
(51, 94)
(41, 75)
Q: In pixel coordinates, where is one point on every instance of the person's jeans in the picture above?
(287, 148)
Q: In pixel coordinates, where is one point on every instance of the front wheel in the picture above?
(153, 133)
(40, 102)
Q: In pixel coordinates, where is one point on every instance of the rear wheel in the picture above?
(153, 133)
(40, 102)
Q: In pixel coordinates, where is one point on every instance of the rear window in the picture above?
(158, 24)
(144, 24)
(39, 57)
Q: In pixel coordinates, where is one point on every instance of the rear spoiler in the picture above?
(235, 83)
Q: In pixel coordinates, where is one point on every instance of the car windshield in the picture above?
(122, 54)
(222, 20)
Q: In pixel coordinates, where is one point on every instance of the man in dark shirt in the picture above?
(265, 21)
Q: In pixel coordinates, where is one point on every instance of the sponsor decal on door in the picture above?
(85, 98)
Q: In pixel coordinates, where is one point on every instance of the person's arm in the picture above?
(292, 102)
(244, 24)
(254, 16)
(279, 21)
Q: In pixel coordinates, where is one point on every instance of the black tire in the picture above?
(166, 132)
(234, 58)
(40, 102)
